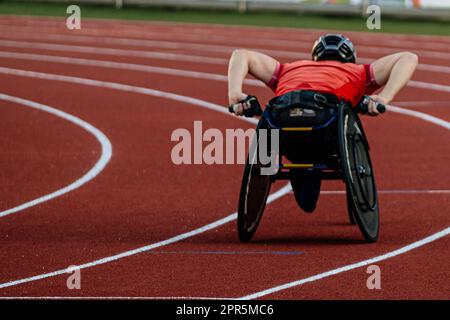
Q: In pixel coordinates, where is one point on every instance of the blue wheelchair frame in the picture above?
(328, 171)
(344, 156)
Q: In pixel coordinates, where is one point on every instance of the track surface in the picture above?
(140, 198)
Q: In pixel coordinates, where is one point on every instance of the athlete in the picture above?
(333, 70)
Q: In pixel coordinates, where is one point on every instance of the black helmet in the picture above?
(334, 47)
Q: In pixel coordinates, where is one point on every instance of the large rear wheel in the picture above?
(358, 174)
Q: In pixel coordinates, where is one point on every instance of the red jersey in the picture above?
(348, 81)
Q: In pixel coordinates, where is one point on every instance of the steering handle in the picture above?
(252, 107)
(363, 107)
(381, 108)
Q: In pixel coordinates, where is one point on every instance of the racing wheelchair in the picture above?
(316, 132)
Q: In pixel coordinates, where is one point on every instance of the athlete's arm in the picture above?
(243, 62)
(393, 72)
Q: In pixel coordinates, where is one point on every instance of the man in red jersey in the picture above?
(333, 70)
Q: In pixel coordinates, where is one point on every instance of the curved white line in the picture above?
(421, 104)
(421, 115)
(207, 29)
(122, 87)
(180, 57)
(113, 51)
(429, 86)
(105, 156)
(349, 267)
(118, 65)
(164, 41)
(274, 196)
(414, 245)
(286, 189)
(117, 86)
(166, 71)
(113, 298)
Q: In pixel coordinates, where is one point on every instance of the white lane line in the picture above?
(123, 87)
(152, 38)
(113, 52)
(414, 245)
(119, 65)
(274, 196)
(162, 70)
(179, 57)
(422, 104)
(190, 46)
(429, 86)
(117, 86)
(114, 298)
(349, 267)
(433, 68)
(303, 37)
(213, 225)
(421, 115)
(106, 152)
(202, 103)
(146, 54)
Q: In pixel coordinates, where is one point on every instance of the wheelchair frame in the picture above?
(352, 165)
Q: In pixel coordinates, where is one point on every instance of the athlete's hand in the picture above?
(234, 98)
(373, 104)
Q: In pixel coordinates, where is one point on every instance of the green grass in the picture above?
(275, 19)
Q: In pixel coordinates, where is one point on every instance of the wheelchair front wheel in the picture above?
(358, 174)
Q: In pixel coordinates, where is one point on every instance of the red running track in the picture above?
(140, 198)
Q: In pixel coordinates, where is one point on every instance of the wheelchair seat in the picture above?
(307, 124)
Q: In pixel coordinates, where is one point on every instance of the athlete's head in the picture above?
(334, 47)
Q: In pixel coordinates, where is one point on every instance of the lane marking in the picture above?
(414, 245)
(420, 115)
(179, 57)
(117, 86)
(106, 152)
(349, 267)
(421, 104)
(272, 197)
(114, 298)
(283, 253)
(113, 52)
(120, 65)
(303, 38)
(286, 189)
(192, 46)
(429, 86)
(166, 71)
(433, 68)
(123, 87)
(136, 53)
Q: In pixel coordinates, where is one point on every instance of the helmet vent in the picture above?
(332, 40)
(334, 47)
